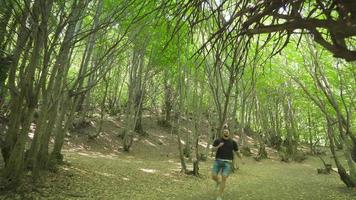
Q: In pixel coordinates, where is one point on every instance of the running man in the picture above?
(225, 148)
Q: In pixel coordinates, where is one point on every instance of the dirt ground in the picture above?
(99, 169)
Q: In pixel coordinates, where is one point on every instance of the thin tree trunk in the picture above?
(167, 100)
(197, 103)
(5, 59)
(102, 109)
(179, 109)
(311, 144)
(5, 10)
(16, 100)
(87, 61)
(39, 149)
(63, 122)
(15, 165)
(346, 178)
(291, 141)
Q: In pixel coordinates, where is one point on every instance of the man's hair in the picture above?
(225, 126)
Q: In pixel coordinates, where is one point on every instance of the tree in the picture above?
(331, 23)
(336, 107)
(43, 93)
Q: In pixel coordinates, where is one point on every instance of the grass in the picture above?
(93, 175)
(95, 169)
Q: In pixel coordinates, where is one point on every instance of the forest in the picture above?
(123, 99)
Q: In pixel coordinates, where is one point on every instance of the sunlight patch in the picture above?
(80, 170)
(98, 155)
(161, 141)
(83, 154)
(149, 143)
(177, 164)
(32, 131)
(254, 151)
(203, 144)
(236, 137)
(105, 174)
(187, 130)
(66, 168)
(30, 135)
(151, 171)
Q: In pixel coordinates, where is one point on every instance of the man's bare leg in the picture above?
(222, 185)
(215, 177)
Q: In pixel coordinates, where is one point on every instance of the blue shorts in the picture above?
(223, 166)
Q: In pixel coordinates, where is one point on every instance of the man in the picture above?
(225, 148)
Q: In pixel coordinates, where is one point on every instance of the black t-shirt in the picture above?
(226, 150)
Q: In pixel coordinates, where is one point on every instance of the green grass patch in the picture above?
(121, 176)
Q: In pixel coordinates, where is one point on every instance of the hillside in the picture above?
(99, 169)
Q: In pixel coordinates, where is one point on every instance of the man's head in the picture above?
(226, 133)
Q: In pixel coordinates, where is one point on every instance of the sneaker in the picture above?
(219, 198)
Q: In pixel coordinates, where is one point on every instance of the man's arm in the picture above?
(238, 154)
(236, 150)
(215, 148)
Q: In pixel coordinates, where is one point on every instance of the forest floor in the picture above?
(99, 169)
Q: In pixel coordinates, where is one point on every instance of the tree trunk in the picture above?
(67, 103)
(242, 118)
(16, 99)
(176, 130)
(51, 95)
(311, 144)
(133, 100)
(5, 10)
(102, 110)
(86, 62)
(15, 165)
(197, 103)
(291, 141)
(139, 111)
(167, 100)
(344, 176)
